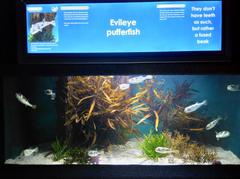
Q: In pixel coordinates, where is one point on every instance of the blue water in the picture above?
(221, 102)
(41, 125)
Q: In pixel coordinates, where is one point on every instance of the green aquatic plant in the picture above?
(151, 142)
(59, 149)
(77, 155)
(30, 37)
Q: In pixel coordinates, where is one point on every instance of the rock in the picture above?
(135, 152)
(216, 162)
(226, 156)
(10, 161)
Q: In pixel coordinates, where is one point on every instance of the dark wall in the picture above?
(8, 53)
(15, 133)
(25, 127)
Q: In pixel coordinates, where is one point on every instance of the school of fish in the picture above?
(139, 79)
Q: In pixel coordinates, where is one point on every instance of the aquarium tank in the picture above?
(122, 120)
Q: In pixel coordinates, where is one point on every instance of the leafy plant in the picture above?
(183, 92)
(159, 104)
(98, 110)
(189, 150)
(179, 142)
(187, 123)
(199, 153)
(70, 155)
(60, 150)
(165, 105)
(30, 37)
(151, 142)
(77, 155)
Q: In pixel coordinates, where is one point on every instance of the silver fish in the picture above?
(37, 27)
(222, 134)
(233, 87)
(139, 79)
(50, 93)
(124, 86)
(93, 153)
(213, 123)
(24, 101)
(194, 107)
(164, 150)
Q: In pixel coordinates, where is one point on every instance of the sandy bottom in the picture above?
(128, 154)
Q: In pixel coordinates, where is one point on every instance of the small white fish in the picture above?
(24, 101)
(93, 153)
(50, 93)
(222, 134)
(213, 123)
(164, 150)
(124, 86)
(37, 27)
(194, 107)
(139, 79)
(233, 88)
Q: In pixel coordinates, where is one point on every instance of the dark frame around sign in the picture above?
(119, 58)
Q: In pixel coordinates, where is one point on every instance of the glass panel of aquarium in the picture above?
(136, 119)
